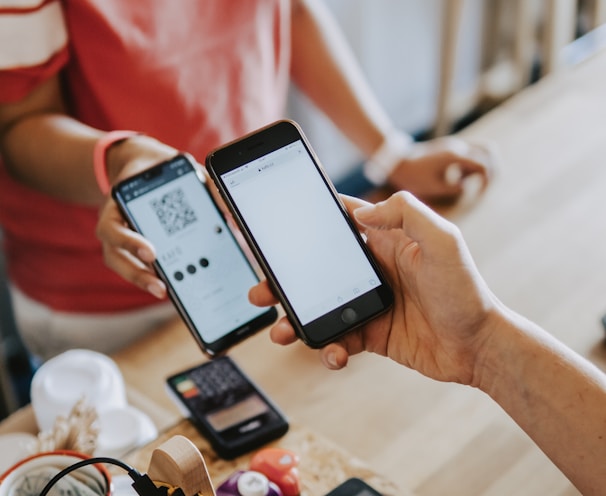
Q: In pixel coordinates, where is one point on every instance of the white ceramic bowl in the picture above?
(65, 379)
(123, 429)
(15, 446)
(23, 479)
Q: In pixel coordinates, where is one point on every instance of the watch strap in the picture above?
(396, 146)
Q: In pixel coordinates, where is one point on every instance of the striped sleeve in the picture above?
(33, 37)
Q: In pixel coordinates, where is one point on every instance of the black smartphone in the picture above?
(354, 487)
(309, 248)
(227, 407)
(205, 270)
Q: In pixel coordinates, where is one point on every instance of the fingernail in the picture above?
(453, 174)
(364, 211)
(283, 326)
(156, 289)
(331, 359)
(146, 255)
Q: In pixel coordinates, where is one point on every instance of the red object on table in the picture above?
(280, 467)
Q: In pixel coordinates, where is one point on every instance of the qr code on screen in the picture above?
(173, 211)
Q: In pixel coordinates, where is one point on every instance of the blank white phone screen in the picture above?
(206, 268)
(301, 231)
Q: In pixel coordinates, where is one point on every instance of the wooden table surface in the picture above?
(538, 235)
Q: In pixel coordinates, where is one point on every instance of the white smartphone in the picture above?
(198, 257)
(300, 232)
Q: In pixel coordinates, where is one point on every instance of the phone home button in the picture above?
(349, 315)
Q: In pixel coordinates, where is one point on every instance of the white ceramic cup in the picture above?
(122, 429)
(65, 379)
(29, 476)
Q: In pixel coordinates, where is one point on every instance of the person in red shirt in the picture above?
(185, 77)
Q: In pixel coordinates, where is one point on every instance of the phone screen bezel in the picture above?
(218, 346)
(331, 325)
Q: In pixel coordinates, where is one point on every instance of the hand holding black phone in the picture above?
(198, 257)
(300, 232)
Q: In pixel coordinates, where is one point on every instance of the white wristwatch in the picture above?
(396, 147)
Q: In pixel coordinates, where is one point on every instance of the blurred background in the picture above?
(438, 64)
